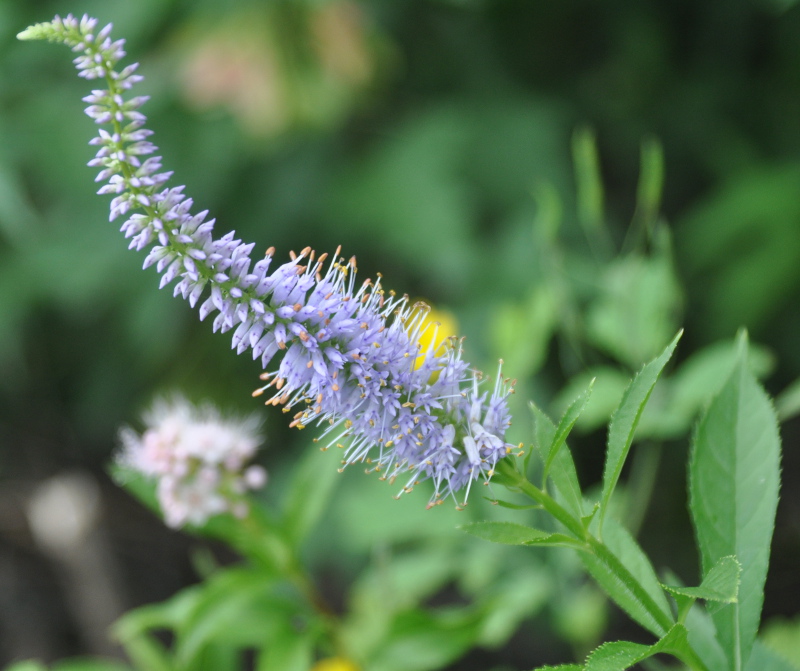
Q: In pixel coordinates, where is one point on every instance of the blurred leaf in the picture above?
(733, 481)
(27, 665)
(580, 615)
(423, 641)
(288, 650)
(787, 404)
(517, 595)
(537, 318)
(401, 580)
(764, 658)
(312, 486)
(782, 636)
(17, 216)
(237, 608)
(650, 186)
(549, 212)
(408, 190)
(739, 248)
(132, 628)
(678, 400)
(635, 313)
(623, 424)
(588, 184)
(147, 652)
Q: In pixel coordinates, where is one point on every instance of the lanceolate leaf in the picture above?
(510, 533)
(562, 468)
(733, 486)
(624, 594)
(720, 584)
(571, 416)
(626, 418)
(621, 655)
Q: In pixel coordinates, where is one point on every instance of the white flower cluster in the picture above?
(198, 459)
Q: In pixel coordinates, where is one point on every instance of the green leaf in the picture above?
(733, 486)
(764, 658)
(425, 640)
(627, 551)
(568, 420)
(237, 608)
(560, 667)
(787, 404)
(309, 493)
(28, 664)
(549, 211)
(132, 629)
(589, 185)
(651, 182)
(621, 655)
(513, 597)
(634, 313)
(783, 637)
(562, 470)
(536, 316)
(146, 652)
(720, 584)
(288, 650)
(625, 419)
(510, 533)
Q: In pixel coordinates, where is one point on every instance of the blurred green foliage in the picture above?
(440, 141)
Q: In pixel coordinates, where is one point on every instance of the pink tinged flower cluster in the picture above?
(343, 352)
(198, 459)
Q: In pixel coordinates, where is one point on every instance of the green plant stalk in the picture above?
(514, 479)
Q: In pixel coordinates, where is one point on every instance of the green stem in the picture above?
(602, 552)
(516, 480)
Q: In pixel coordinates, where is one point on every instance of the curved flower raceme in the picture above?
(198, 459)
(345, 355)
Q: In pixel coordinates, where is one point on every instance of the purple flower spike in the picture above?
(347, 354)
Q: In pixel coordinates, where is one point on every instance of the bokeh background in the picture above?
(501, 159)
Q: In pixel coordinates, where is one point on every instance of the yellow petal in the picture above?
(334, 664)
(436, 328)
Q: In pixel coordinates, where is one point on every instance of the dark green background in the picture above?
(426, 173)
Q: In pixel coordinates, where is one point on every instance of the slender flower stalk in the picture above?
(345, 354)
